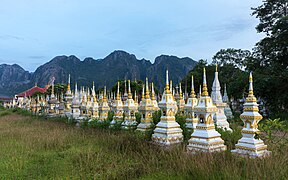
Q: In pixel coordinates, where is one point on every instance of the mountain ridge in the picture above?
(117, 65)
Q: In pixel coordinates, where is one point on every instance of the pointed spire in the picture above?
(153, 92)
(118, 91)
(251, 85)
(167, 80)
(216, 68)
(68, 86)
(180, 90)
(125, 88)
(76, 88)
(143, 93)
(147, 96)
(129, 90)
(200, 90)
(135, 96)
(205, 90)
(192, 87)
(104, 95)
(171, 86)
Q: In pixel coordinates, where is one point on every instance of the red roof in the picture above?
(31, 91)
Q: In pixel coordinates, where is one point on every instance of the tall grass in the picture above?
(35, 149)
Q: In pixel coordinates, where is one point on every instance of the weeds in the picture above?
(34, 149)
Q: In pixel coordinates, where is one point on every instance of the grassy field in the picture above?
(35, 148)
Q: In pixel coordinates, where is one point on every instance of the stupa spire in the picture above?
(147, 96)
(104, 95)
(118, 92)
(171, 86)
(205, 90)
(180, 90)
(251, 93)
(153, 92)
(167, 80)
(143, 93)
(68, 86)
(192, 87)
(129, 90)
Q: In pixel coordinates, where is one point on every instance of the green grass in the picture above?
(35, 148)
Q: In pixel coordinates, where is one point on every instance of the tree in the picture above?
(235, 57)
(271, 64)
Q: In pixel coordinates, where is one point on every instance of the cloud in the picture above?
(9, 37)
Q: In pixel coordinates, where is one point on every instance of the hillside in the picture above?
(117, 65)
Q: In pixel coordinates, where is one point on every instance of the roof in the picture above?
(31, 91)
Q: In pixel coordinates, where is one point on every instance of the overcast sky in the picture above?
(32, 32)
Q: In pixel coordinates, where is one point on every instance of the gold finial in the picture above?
(135, 96)
(147, 96)
(143, 93)
(88, 94)
(216, 67)
(251, 97)
(129, 90)
(180, 90)
(205, 90)
(68, 86)
(171, 86)
(250, 84)
(153, 92)
(167, 81)
(104, 95)
(192, 88)
(118, 91)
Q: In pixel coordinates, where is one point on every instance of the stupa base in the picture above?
(145, 126)
(202, 146)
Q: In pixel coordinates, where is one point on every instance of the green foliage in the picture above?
(274, 130)
(156, 116)
(110, 116)
(236, 57)
(138, 117)
(231, 138)
(181, 121)
(33, 149)
(99, 124)
(58, 89)
(21, 111)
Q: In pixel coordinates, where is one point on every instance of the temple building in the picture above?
(167, 131)
(249, 145)
(220, 119)
(205, 138)
(192, 119)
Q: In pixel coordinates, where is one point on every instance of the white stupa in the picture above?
(117, 107)
(192, 119)
(248, 145)
(205, 137)
(167, 131)
(220, 118)
(130, 109)
(103, 107)
(227, 109)
(146, 108)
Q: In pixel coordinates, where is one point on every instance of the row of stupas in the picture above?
(202, 113)
(85, 104)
